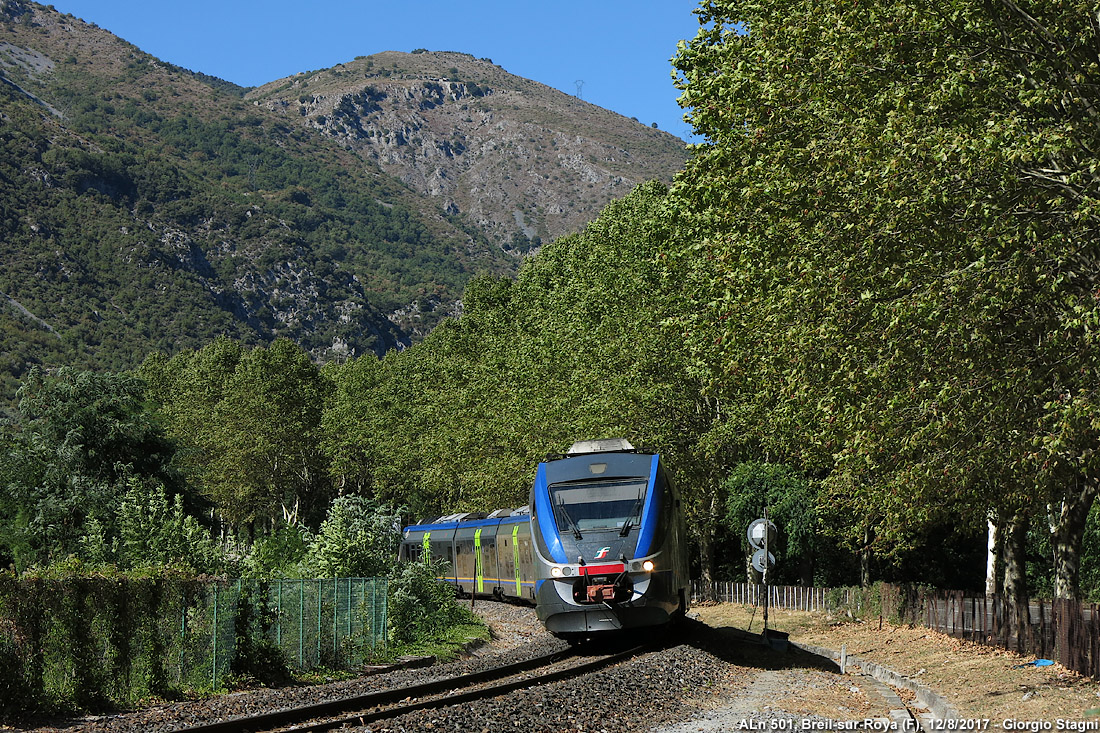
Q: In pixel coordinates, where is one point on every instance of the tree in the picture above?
(348, 422)
(892, 225)
(791, 501)
(267, 428)
(81, 438)
(102, 416)
(250, 422)
(358, 538)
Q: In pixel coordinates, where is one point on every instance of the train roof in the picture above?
(605, 445)
(472, 519)
(594, 447)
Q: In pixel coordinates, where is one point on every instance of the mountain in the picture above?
(146, 207)
(519, 160)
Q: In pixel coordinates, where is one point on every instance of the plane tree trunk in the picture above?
(706, 565)
(993, 553)
(865, 557)
(1015, 579)
(1067, 532)
(706, 525)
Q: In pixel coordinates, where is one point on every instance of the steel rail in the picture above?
(485, 693)
(290, 716)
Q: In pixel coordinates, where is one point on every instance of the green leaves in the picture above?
(574, 348)
(151, 530)
(250, 425)
(84, 438)
(357, 539)
(896, 213)
(791, 500)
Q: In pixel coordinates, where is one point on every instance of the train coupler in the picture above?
(601, 593)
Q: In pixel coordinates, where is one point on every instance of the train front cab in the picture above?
(568, 567)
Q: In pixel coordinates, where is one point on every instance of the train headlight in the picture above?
(556, 572)
(648, 566)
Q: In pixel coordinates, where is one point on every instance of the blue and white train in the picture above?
(600, 546)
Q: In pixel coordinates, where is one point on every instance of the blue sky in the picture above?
(619, 48)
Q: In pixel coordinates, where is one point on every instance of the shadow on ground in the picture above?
(746, 649)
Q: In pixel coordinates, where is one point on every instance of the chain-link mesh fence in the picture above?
(335, 622)
(325, 622)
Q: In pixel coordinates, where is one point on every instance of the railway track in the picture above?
(701, 679)
(387, 704)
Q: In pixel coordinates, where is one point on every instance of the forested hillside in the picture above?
(147, 208)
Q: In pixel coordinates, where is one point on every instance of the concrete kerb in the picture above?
(938, 706)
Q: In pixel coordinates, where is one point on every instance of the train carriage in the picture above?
(601, 546)
(486, 556)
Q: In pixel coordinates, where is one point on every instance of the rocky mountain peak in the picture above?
(519, 160)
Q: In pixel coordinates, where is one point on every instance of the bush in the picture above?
(279, 554)
(150, 530)
(256, 653)
(73, 638)
(856, 601)
(420, 607)
(358, 539)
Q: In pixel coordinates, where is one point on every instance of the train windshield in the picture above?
(595, 505)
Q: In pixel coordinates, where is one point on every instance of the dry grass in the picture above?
(981, 682)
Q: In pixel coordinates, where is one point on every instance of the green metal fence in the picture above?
(331, 622)
(323, 622)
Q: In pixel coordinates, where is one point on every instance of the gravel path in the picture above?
(708, 680)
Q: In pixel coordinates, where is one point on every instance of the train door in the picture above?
(493, 569)
(490, 575)
(464, 558)
(524, 559)
(507, 560)
(474, 543)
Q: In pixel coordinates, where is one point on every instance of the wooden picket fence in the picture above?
(789, 597)
(1065, 631)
